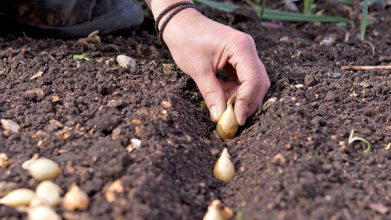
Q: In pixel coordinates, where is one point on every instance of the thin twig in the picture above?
(365, 67)
(384, 59)
(111, 69)
(96, 108)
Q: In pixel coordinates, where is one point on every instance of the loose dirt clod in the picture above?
(378, 207)
(55, 98)
(4, 161)
(56, 123)
(116, 134)
(63, 134)
(114, 103)
(166, 104)
(279, 160)
(115, 187)
(35, 93)
(365, 84)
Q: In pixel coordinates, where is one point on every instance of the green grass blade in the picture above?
(350, 2)
(364, 20)
(307, 6)
(346, 2)
(218, 5)
(263, 9)
(275, 15)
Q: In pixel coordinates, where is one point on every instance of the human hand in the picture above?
(202, 47)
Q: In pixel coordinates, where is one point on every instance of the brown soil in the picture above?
(99, 108)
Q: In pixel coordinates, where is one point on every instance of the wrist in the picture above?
(157, 6)
(169, 13)
(179, 30)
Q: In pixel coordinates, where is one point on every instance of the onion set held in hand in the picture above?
(227, 126)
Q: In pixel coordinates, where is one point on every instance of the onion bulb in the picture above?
(42, 213)
(227, 126)
(76, 198)
(42, 168)
(38, 201)
(18, 197)
(49, 191)
(224, 169)
(214, 211)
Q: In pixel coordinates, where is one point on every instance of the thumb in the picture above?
(213, 94)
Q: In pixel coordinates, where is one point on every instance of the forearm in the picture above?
(157, 6)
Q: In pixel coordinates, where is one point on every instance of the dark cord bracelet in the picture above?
(180, 6)
(169, 8)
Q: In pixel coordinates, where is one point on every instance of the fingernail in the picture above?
(214, 115)
(243, 121)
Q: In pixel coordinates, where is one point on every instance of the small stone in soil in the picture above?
(10, 125)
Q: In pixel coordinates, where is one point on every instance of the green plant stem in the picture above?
(364, 20)
(263, 9)
(308, 6)
(81, 57)
(356, 138)
(350, 2)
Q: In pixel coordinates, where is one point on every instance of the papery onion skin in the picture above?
(224, 169)
(214, 211)
(75, 198)
(49, 191)
(227, 126)
(18, 197)
(43, 169)
(42, 213)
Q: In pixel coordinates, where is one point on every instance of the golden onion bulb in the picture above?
(224, 169)
(227, 126)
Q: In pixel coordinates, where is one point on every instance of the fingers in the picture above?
(252, 78)
(251, 94)
(213, 94)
